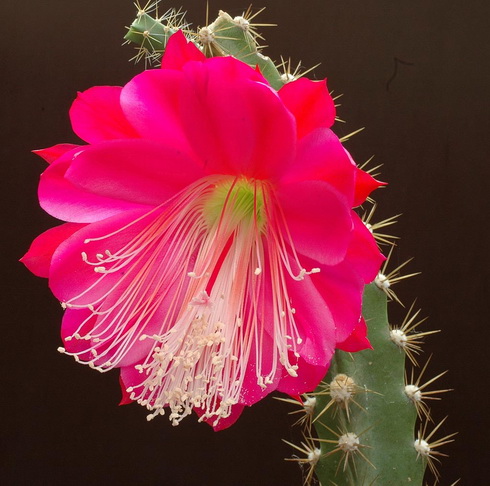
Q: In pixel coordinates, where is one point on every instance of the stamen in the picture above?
(192, 264)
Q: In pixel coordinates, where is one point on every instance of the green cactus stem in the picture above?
(226, 36)
(151, 34)
(367, 430)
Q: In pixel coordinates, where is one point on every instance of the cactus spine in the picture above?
(359, 425)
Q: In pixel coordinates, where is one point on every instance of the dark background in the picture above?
(428, 127)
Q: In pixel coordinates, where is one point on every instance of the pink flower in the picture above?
(210, 251)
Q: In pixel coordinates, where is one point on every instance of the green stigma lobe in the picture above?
(239, 200)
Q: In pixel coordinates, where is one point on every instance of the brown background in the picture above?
(429, 129)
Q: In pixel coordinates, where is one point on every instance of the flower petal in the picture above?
(307, 380)
(150, 101)
(38, 257)
(137, 171)
(358, 339)
(363, 253)
(64, 200)
(342, 289)
(223, 423)
(234, 121)
(365, 185)
(71, 275)
(310, 103)
(314, 320)
(321, 156)
(118, 284)
(96, 115)
(318, 219)
(180, 51)
(53, 153)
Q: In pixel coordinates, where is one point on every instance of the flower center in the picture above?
(196, 291)
(240, 199)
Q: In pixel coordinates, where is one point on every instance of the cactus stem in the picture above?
(406, 337)
(311, 457)
(415, 391)
(426, 448)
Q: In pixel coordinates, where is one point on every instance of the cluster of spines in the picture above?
(150, 31)
(225, 36)
(344, 418)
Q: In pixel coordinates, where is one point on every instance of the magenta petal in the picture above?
(358, 339)
(237, 125)
(85, 323)
(38, 258)
(109, 277)
(365, 185)
(125, 398)
(251, 391)
(363, 253)
(53, 153)
(309, 376)
(310, 103)
(314, 320)
(321, 156)
(138, 171)
(318, 219)
(342, 290)
(150, 102)
(65, 201)
(223, 423)
(96, 115)
(71, 276)
(179, 51)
